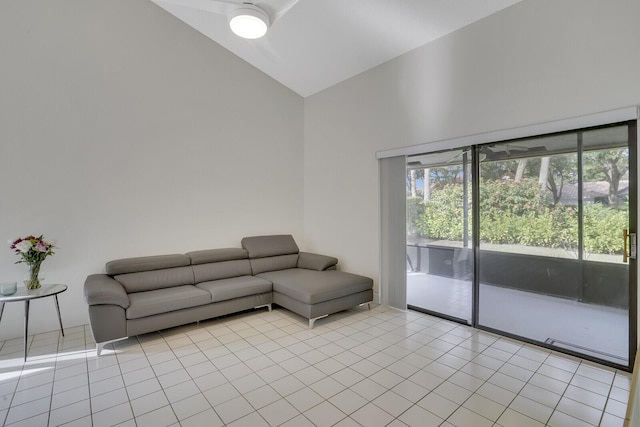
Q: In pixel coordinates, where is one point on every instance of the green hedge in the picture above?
(516, 213)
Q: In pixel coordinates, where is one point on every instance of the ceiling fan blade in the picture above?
(266, 49)
(507, 147)
(221, 7)
(454, 158)
(280, 13)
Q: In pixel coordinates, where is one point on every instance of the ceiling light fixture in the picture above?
(249, 22)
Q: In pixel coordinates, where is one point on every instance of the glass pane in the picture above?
(439, 255)
(522, 199)
(605, 198)
(546, 273)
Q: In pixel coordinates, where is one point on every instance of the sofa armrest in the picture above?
(316, 262)
(101, 289)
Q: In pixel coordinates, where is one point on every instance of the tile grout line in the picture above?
(190, 379)
(606, 402)
(433, 360)
(86, 363)
(528, 382)
(229, 381)
(391, 332)
(484, 382)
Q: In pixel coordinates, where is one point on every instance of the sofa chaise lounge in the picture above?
(146, 294)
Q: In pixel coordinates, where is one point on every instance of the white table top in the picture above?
(22, 294)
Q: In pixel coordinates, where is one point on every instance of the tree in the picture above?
(412, 182)
(562, 168)
(522, 164)
(499, 169)
(426, 194)
(413, 175)
(445, 175)
(609, 165)
(544, 172)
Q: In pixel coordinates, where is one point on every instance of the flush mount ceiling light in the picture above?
(249, 22)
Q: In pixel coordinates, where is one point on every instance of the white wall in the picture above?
(537, 61)
(124, 132)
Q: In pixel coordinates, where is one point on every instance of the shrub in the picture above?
(415, 210)
(443, 215)
(603, 229)
(518, 198)
(515, 213)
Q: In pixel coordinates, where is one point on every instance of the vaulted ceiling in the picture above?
(314, 44)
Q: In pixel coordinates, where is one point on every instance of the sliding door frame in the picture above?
(628, 116)
(475, 213)
(633, 225)
(632, 140)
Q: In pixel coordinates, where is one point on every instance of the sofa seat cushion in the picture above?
(160, 301)
(313, 287)
(235, 287)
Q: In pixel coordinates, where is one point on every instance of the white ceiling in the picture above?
(314, 44)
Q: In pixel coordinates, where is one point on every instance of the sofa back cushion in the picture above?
(274, 263)
(151, 272)
(146, 263)
(271, 253)
(266, 246)
(221, 270)
(217, 255)
(215, 264)
(155, 279)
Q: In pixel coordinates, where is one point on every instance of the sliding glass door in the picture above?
(552, 211)
(439, 239)
(527, 238)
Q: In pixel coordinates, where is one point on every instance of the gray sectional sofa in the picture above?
(146, 294)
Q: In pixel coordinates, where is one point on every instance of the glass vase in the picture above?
(33, 281)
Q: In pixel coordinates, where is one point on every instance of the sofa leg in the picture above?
(368, 305)
(100, 345)
(265, 305)
(312, 321)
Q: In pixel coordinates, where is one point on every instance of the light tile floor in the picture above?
(595, 330)
(357, 368)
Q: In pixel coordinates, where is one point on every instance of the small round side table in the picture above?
(25, 295)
